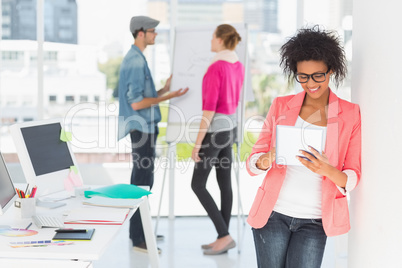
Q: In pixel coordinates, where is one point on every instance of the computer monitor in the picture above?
(7, 190)
(45, 158)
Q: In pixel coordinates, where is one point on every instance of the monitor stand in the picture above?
(53, 200)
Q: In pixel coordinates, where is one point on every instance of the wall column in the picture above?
(375, 239)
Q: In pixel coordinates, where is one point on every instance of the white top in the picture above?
(225, 55)
(222, 122)
(300, 195)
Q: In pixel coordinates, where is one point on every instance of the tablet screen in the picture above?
(290, 139)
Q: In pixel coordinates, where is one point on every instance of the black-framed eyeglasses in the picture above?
(317, 77)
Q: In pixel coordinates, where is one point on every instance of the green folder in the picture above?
(118, 191)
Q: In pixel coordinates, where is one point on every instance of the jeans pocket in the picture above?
(317, 221)
(272, 214)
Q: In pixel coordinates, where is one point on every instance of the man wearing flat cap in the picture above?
(139, 112)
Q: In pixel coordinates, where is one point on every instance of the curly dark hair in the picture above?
(318, 45)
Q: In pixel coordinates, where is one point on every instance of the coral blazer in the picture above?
(343, 148)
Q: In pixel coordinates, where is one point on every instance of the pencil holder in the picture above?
(26, 207)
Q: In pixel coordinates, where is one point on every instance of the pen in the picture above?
(33, 192)
(19, 193)
(29, 225)
(26, 190)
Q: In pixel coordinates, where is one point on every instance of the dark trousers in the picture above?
(143, 157)
(216, 151)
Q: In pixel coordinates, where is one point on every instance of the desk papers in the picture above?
(97, 215)
(112, 202)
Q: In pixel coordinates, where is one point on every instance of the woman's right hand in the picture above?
(266, 160)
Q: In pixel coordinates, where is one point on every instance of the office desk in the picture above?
(80, 251)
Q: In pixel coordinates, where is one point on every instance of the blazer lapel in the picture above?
(294, 105)
(334, 126)
(288, 117)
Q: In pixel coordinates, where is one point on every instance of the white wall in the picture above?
(376, 205)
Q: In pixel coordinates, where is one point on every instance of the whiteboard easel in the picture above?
(191, 58)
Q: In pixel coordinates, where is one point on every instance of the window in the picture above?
(65, 34)
(52, 98)
(11, 55)
(69, 98)
(11, 103)
(71, 73)
(66, 22)
(27, 103)
(50, 56)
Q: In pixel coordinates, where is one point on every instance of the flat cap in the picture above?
(138, 22)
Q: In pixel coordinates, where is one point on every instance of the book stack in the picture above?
(115, 196)
(74, 234)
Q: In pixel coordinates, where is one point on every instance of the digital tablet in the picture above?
(290, 139)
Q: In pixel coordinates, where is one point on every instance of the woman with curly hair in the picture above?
(297, 207)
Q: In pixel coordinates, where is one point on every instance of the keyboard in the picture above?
(47, 221)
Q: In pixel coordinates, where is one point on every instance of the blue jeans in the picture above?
(143, 157)
(290, 242)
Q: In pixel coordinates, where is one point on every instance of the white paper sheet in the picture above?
(112, 202)
(97, 215)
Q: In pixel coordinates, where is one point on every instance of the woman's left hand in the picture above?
(194, 154)
(317, 163)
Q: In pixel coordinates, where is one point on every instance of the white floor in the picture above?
(182, 247)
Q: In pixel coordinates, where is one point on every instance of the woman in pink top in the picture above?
(297, 207)
(221, 88)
